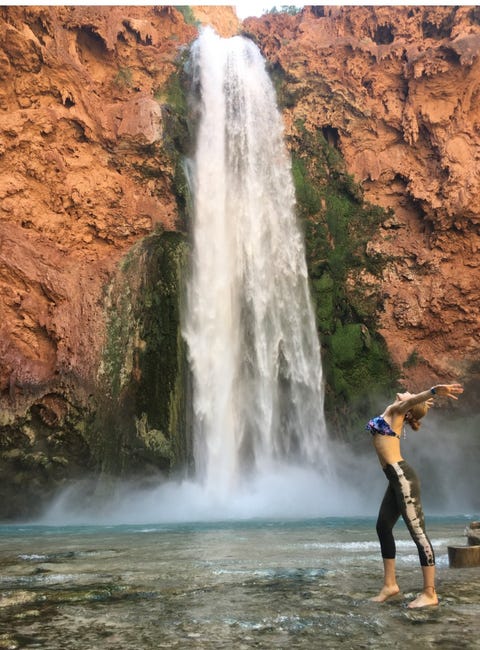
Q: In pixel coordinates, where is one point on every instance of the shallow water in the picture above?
(259, 584)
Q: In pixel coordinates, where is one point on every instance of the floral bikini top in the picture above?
(379, 425)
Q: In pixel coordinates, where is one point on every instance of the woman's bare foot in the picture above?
(428, 598)
(386, 592)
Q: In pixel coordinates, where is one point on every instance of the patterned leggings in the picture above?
(403, 498)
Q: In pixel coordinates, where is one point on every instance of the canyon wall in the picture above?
(88, 169)
(396, 90)
(94, 230)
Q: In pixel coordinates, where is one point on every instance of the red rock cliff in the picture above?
(397, 85)
(81, 96)
(398, 88)
(76, 98)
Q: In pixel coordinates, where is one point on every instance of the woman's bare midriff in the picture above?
(387, 448)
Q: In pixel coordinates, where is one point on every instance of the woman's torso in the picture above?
(388, 446)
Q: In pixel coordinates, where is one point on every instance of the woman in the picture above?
(403, 492)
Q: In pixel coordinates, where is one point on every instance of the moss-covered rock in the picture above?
(338, 225)
(143, 370)
(42, 445)
(143, 423)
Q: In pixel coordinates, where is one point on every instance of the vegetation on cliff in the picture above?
(338, 225)
(143, 365)
(144, 420)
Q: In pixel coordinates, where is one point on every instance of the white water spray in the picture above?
(250, 328)
(260, 435)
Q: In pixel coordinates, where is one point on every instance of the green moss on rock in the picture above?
(338, 225)
(143, 358)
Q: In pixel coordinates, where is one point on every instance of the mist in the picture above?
(444, 455)
(285, 492)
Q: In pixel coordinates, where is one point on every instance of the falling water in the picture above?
(256, 367)
(249, 325)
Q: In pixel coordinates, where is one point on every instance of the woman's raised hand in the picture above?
(448, 390)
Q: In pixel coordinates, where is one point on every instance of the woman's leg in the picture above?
(387, 517)
(407, 490)
(390, 587)
(412, 512)
(428, 597)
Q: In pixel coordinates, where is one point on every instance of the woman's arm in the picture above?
(404, 405)
(441, 390)
(447, 390)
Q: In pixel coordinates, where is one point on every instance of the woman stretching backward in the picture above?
(402, 496)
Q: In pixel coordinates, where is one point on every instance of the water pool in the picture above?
(254, 584)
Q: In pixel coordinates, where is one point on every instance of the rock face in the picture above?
(396, 90)
(86, 170)
(460, 557)
(89, 180)
(77, 108)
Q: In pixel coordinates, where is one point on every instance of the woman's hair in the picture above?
(415, 414)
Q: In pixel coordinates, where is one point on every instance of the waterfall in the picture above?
(249, 322)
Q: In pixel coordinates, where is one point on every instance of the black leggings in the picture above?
(403, 498)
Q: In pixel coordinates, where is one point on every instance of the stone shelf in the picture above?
(460, 557)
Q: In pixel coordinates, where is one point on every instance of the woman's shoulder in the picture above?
(393, 409)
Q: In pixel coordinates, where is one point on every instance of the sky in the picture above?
(252, 8)
(243, 9)
(259, 7)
